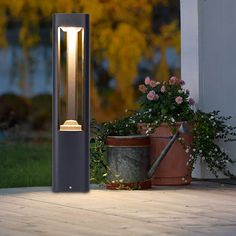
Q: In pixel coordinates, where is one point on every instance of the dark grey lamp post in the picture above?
(70, 125)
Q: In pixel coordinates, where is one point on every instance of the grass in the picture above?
(25, 164)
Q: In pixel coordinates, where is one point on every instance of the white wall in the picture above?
(208, 58)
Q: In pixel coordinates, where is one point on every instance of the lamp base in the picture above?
(71, 163)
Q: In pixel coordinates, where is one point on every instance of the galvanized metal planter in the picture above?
(128, 161)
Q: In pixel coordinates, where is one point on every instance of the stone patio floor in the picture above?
(203, 208)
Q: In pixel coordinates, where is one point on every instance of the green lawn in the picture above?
(25, 164)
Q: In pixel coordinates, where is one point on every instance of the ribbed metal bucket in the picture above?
(128, 158)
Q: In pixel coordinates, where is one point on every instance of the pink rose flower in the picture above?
(191, 101)
(156, 97)
(163, 88)
(147, 80)
(142, 88)
(178, 100)
(173, 80)
(152, 96)
(152, 83)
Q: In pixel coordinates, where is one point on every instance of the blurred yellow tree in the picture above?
(121, 32)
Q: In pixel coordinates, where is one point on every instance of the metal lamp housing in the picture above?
(70, 124)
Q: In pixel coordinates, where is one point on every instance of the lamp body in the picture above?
(71, 119)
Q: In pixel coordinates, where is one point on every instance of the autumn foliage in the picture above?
(123, 33)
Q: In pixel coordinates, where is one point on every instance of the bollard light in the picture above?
(70, 125)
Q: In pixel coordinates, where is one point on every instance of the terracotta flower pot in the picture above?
(173, 169)
(128, 158)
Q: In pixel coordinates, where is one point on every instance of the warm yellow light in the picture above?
(72, 42)
(71, 61)
(70, 125)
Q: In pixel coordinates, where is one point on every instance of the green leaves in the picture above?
(209, 129)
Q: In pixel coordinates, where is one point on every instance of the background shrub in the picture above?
(14, 109)
(41, 112)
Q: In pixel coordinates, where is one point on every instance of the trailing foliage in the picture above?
(209, 131)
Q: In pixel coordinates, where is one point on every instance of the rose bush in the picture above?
(166, 99)
(169, 102)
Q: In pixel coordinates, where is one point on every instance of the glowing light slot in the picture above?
(71, 61)
(70, 125)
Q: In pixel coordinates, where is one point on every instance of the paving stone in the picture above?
(202, 208)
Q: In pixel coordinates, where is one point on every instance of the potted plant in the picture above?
(124, 154)
(120, 153)
(163, 106)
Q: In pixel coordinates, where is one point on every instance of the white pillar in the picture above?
(189, 46)
(208, 59)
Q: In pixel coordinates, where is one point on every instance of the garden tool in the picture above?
(182, 129)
